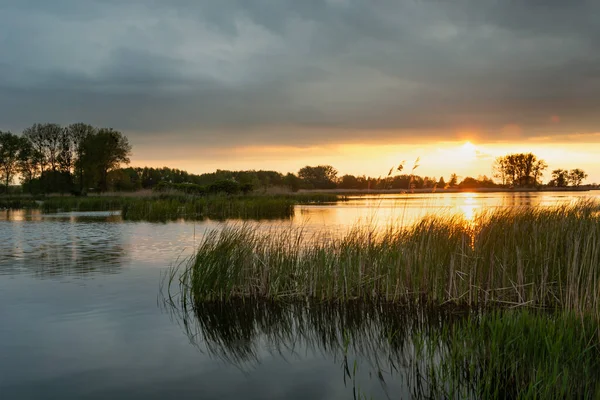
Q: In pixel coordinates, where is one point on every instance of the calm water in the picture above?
(81, 315)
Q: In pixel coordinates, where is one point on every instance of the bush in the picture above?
(188, 188)
(224, 186)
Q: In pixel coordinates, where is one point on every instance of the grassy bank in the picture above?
(315, 198)
(361, 192)
(535, 257)
(18, 203)
(65, 203)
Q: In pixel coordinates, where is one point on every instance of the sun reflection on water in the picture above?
(470, 207)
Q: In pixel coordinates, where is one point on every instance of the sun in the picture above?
(468, 151)
(469, 147)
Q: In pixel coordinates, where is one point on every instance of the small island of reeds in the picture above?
(162, 207)
(512, 297)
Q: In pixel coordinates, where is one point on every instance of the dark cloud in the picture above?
(228, 70)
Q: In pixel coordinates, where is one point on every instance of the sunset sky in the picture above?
(360, 85)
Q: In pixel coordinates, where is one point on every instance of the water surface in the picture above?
(82, 316)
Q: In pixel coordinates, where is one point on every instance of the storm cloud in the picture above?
(291, 72)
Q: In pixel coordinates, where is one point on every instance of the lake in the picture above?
(82, 315)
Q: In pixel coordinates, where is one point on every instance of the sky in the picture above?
(360, 85)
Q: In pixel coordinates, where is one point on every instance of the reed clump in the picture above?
(537, 257)
(173, 206)
(213, 207)
(501, 306)
(92, 203)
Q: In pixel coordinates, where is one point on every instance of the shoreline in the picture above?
(442, 191)
(357, 192)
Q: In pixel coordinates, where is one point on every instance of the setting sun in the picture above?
(468, 151)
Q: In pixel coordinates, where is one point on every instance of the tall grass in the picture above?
(542, 257)
(502, 306)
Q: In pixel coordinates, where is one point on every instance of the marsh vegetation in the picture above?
(544, 257)
(506, 304)
(176, 205)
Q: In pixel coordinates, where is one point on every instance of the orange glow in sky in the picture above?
(465, 158)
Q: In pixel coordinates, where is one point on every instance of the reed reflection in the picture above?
(410, 350)
(371, 343)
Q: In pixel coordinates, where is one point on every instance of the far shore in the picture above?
(448, 190)
(274, 191)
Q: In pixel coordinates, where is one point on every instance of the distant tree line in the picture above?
(526, 170)
(564, 178)
(514, 170)
(521, 170)
(52, 158)
(221, 186)
(161, 179)
(79, 158)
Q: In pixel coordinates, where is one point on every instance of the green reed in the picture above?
(502, 306)
(543, 257)
(91, 203)
(168, 207)
(213, 207)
